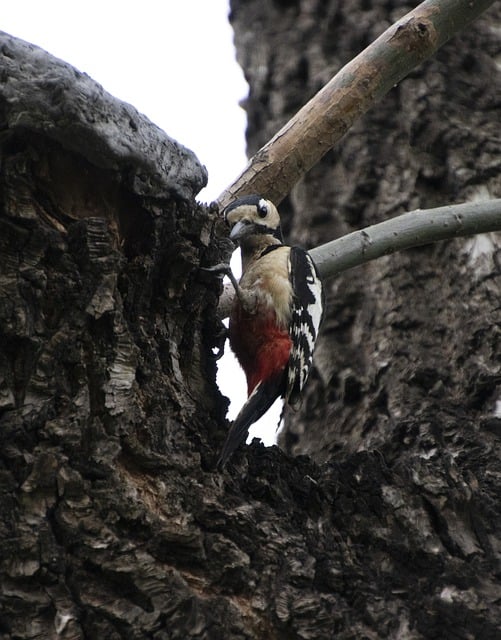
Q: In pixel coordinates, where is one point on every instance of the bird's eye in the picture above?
(262, 209)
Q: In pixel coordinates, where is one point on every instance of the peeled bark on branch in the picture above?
(304, 140)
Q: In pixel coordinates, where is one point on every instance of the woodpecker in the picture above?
(275, 315)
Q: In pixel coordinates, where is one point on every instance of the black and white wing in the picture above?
(306, 316)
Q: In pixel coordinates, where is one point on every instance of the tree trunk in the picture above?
(108, 401)
(114, 523)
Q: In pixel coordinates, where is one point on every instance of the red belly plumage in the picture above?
(261, 347)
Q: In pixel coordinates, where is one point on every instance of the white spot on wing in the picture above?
(306, 317)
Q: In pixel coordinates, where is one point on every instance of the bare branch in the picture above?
(302, 142)
(411, 229)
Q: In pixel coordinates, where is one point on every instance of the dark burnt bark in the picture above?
(113, 522)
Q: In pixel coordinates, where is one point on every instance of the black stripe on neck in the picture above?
(270, 248)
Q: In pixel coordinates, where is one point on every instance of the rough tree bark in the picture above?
(113, 522)
(108, 401)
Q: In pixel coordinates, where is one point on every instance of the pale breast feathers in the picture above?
(268, 276)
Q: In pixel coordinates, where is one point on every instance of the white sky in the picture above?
(175, 62)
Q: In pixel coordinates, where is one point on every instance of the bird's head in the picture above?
(253, 216)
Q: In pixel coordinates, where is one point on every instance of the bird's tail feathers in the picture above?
(260, 400)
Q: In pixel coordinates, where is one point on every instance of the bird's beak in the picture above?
(241, 229)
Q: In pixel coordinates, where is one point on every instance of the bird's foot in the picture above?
(221, 269)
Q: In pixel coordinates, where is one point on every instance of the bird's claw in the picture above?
(221, 269)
